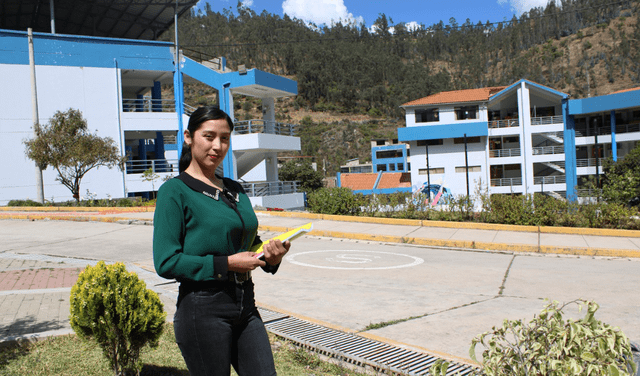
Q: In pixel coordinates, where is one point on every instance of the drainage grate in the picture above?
(355, 349)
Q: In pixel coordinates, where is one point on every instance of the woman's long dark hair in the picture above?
(196, 119)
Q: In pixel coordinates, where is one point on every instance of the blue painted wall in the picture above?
(604, 103)
(375, 161)
(436, 132)
(81, 51)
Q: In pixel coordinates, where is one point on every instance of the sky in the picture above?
(410, 12)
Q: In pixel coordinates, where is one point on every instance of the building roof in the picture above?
(394, 180)
(457, 96)
(626, 90)
(359, 181)
(132, 19)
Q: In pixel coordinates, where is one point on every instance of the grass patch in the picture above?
(70, 355)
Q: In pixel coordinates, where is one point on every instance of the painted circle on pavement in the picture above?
(349, 259)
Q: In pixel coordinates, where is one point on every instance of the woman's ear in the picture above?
(187, 137)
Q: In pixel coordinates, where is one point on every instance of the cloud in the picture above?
(521, 6)
(319, 12)
(247, 3)
(412, 26)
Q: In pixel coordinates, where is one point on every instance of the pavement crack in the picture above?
(506, 276)
(383, 324)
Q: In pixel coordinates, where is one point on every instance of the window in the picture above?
(430, 142)
(427, 116)
(400, 166)
(471, 169)
(381, 142)
(381, 167)
(466, 112)
(392, 167)
(433, 170)
(470, 140)
(382, 154)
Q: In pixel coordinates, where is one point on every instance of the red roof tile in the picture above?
(358, 182)
(394, 180)
(457, 96)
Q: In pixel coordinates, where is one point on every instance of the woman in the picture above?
(204, 226)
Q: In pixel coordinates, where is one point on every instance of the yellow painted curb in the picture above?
(465, 225)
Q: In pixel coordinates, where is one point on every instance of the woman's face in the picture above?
(209, 143)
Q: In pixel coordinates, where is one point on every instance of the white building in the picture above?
(116, 83)
(519, 139)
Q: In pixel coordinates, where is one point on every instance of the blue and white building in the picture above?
(118, 85)
(520, 139)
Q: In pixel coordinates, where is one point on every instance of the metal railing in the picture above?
(547, 120)
(589, 192)
(506, 123)
(503, 153)
(604, 130)
(546, 150)
(148, 105)
(553, 179)
(156, 166)
(264, 126)
(271, 188)
(506, 182)
(588, 162)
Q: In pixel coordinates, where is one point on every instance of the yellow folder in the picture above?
(289, 235)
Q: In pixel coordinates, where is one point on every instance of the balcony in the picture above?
(547, 120)
(148, 105)
(506, 123)
(156, 166)
(264, 126)
(506, 182)
(548, 150)
(272, 188)
(504, 153)
(548, 180)
(589, 162)
(606, 130)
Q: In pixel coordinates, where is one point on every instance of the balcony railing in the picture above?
(507, 123)
(546, 120)
(606, 130)
(506, 182)
(156, 166)
(270, 188)
(554, 179)
(264, 126)
(148, 105)
(546, 150)
(588, 162)
(589, 192)
(503, 153)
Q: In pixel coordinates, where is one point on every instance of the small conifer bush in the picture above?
(114, 308)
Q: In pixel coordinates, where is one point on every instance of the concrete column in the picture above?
(269, 114)
(614, 145)
(524, 118)
(271, 166)
(156, 97)
(570, 163)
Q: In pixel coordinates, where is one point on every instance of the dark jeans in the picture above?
(220, 326)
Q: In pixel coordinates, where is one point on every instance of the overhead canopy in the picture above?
(132, 19)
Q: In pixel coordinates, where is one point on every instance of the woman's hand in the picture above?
(243, 262)
(275, 250)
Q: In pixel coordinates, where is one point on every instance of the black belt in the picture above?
(239, 278)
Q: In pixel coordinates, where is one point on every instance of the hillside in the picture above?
(351, 82)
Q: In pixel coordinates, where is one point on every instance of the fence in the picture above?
(270, 188)
(553, 179)
(588, 162)
(264, 126)
(620, 128)
(506, 182)
(156, 166)
(148, 105)
(503, 153)
(507, 123)
(546, 150)
(547, 120)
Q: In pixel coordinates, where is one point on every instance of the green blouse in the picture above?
(193, 234)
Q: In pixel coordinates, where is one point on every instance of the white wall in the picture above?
(90, 90)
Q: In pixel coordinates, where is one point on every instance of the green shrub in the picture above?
(114, 308)
(23, 203)
(549, 345)
(336, 201)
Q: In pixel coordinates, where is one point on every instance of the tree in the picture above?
(621, 182)
(66, 144)
(295, 170)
